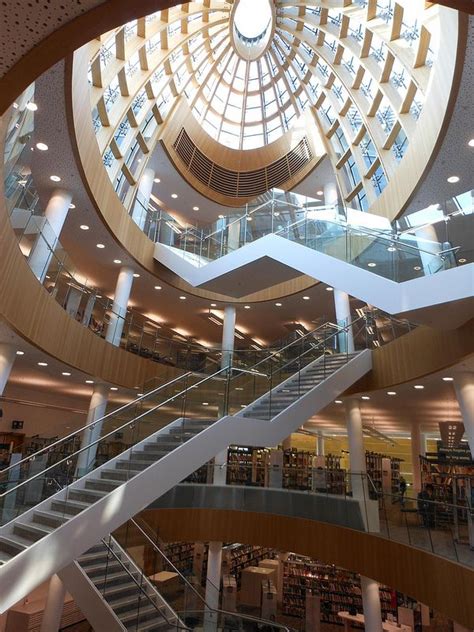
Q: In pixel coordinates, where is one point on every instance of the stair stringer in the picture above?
(69, 541)
(91, 603)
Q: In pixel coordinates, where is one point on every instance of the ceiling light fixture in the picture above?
(195, 208)
(113, 388)
(365, 397)
(249, 219)
(392, 249)
(419, 387)
(157, 287)
(329, 289)
(136, 275)
(305, 298)
(42, 146)
(278, 304)
(391, 393)
(319, 192)
(220, 216)
(205, 403)
(174, 196)
(182, 298)
(84, 227)
(417, 268)
(32, 107)
(448, 379)
(89, 381)
(371, 264)
(66, 373)
(453, 179)
(157, 181)
(462, 260)
(55, 178)
(117, 261)
(100, 246)
(338, 401)
(20, 353)
(42, 364)
(471, 142)
(213, 304)
(72, 205)
(246, 306)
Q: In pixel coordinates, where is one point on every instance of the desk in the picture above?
(387, 626)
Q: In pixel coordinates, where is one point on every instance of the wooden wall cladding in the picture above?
(241, 184)
(444, 585)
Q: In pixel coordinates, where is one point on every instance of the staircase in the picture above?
(48, 536)
(129, 601)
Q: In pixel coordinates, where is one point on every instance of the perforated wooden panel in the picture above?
(241, 184)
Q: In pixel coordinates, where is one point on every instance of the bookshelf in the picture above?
(385, 473)
(339, 589)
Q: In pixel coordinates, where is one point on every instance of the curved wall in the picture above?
(446, 586)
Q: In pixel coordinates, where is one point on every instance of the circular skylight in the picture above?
(252, 18)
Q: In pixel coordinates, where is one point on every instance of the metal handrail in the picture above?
(193, 589)
(48, 447)
(140, 588)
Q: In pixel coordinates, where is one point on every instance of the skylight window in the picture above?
(252, 17)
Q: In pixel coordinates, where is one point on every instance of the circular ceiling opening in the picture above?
(252, 26)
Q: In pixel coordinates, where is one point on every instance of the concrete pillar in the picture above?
(7, 358)
(427, 241)
(119, 308)
(54, 605)
(233, 235)
(228, 336)
(320, 444)
(357, 461)
(213, 582)
(464, 387)
(371, 604)
(97, 408)
(343, 319)
(142, 200)
(46, 242)
(415, 457)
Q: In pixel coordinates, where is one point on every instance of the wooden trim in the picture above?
(444, 585)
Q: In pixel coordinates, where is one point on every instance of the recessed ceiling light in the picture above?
(72, 205)
(471, 142)
(157, 181)
(66, 373)
(246, 306)
(392, 249)
(365, 397)
(139, 394)
(205, 403)
(182, 298)
(55, 178)
(195, 208)
(157, 287)
(113, 388)
(100, 246)
(136, 275)
(89, 381)
(371, 264)
(249, 219)
(117, 261)
(419, 387)
(462, 260)
(338, 401)
(213, 304)
(42, 364)
(31, 106)
(42, 146)
(305, 298)
(174, 196)
(220, 216)
(417, 268)
(329, 289)
(453, 179)
(448, 379)
(319, 192)
(277, 304)
(84, 227)
(391, 393)
(15, 105)
(20, 353)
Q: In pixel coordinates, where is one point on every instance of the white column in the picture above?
(415, 457)
(464, 387)
(320, 444)
(43, 249)
(371, 604)
(213, 581)
(343, 319)
(228, 336)
(356, 450)
(97, 408)
(119, 308)
(7, 358)
(145, 187)
(330, 194)
(54, 605)
(427, 241)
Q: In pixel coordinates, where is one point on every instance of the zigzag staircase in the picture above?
(48, 535)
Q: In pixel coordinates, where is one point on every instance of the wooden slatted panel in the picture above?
(243, 184)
